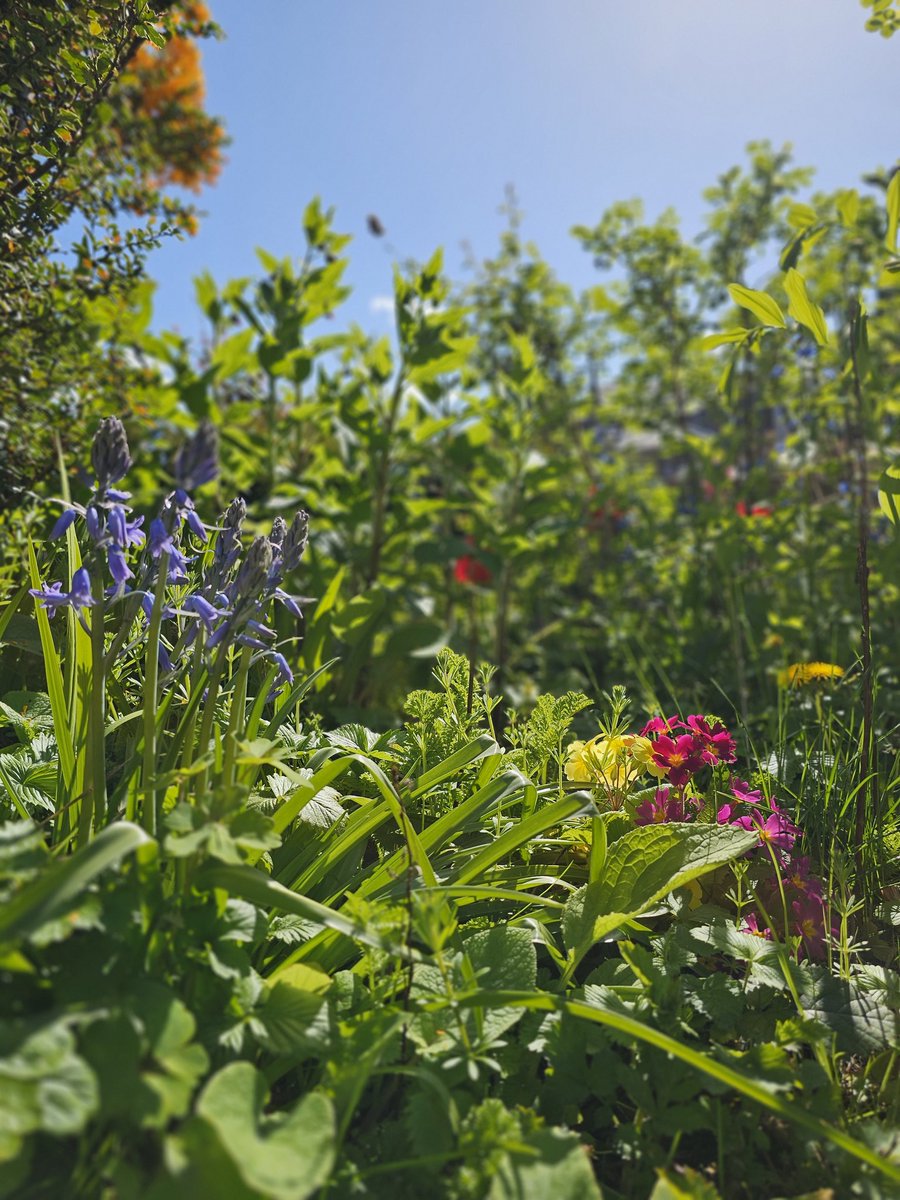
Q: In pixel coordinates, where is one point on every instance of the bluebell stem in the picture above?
(109, 453)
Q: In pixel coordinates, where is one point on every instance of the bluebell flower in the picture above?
(207, 613)
(285, 674)
(92, 520)
(80, 597)
(289, 602)
(118, 567)
(63, 523)
(160, 541)
(123, 532)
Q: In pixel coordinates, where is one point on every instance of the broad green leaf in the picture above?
(802, 309)
(283, 1157)
(296, 995)
(761, 304)
(642, 867)
(888, 493)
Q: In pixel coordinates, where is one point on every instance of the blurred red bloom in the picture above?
(467, 569)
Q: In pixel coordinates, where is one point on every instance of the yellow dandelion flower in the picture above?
(801, 674)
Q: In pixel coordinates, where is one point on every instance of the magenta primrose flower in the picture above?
(661, 725)
(717, 743)
(752, 925)
(776, 829)
(663, 808)
(679, 757)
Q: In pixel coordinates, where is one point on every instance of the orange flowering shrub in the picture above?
(170, 90)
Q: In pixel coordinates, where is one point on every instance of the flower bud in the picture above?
(109, 452)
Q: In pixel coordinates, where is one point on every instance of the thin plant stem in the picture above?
(151, 685)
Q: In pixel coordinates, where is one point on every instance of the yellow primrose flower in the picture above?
(640, 751)
(599, 761)
(800, 674)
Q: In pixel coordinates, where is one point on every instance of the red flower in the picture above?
(755, 510)
(467, 569)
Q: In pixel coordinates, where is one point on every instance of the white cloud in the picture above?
(382, 304)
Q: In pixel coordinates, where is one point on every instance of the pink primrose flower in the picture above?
(679, 757)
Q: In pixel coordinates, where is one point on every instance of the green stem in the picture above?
(151, 684)
(95, 794)
(236, 716)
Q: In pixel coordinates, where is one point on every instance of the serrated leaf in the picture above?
(761, 304)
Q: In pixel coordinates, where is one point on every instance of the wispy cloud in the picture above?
(382, 304)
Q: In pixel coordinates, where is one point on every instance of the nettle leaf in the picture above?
(642, 867)
(761, 304)
(286, 1156)
(502, 958)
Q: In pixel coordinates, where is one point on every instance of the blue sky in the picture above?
(423, 113)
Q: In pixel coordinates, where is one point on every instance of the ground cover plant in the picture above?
(462, 763)
(349, 962)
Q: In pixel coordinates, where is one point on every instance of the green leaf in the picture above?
(283, 1157)
(642, 867)
(55, 686)
(44, 1084)
(860, 1021)
(761, 304)
(888, 491)
(57, 890)
(557, 1166)
(802, 309)
(728, 337)
(893, 211)
(296, 995)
